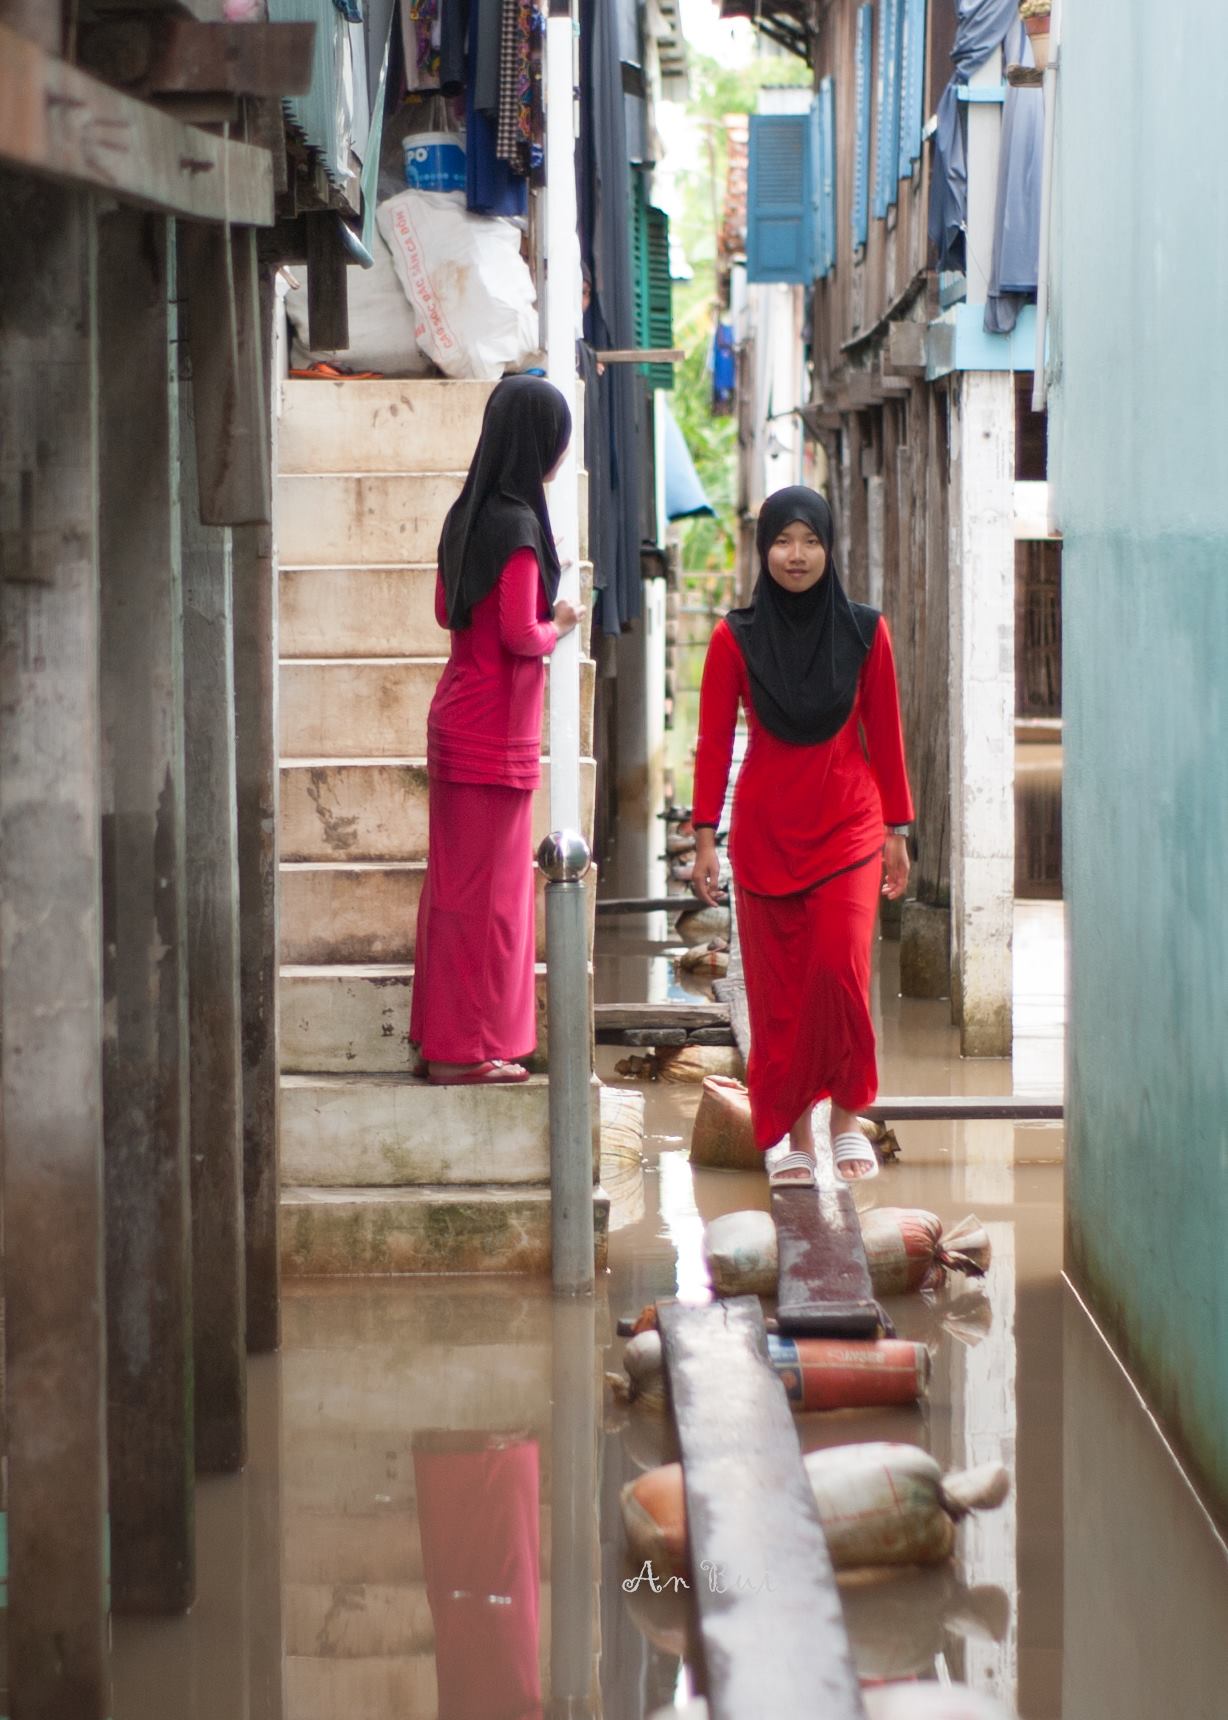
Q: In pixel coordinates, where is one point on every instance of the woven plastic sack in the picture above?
(470, 288)
(721, 1136)
(907, 1249)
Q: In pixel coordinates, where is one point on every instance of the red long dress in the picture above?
(473, 995)
(804, 842)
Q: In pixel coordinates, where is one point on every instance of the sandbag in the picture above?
(710, 959)
(879, 1504)
(906, 1250)
(467, 281)
(721, 1135)
(694, 1063)
(696, 925)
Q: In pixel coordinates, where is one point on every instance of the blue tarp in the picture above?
(1016, 228)
(684, 494)
(981, 26)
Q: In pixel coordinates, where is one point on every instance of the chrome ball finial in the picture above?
(564, 856)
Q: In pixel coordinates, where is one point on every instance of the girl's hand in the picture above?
(566, 618)
(895, 859)
(706, 875)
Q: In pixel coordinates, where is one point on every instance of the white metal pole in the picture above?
(562, 316)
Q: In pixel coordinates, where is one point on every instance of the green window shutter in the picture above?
(660, 296)
(654, 309)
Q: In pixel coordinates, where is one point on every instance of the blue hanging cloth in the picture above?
(491, 187)
(980, 28)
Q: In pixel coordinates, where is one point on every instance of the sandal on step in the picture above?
(794, 1170)
(852, 1148)
(493, 1073)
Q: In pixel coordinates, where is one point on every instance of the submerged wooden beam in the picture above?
(645, 1016)
(770, 1618)
(59, 122)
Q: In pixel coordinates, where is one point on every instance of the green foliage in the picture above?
(715, 90)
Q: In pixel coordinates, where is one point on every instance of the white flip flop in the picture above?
(852, 1148)
(793, 1170)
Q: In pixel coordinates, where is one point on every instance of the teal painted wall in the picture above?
(1139, 455)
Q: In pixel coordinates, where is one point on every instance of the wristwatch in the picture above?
(898, 829)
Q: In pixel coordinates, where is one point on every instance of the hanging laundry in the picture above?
(453, 35)
(491, 187)
(515, 132)
(420, 34)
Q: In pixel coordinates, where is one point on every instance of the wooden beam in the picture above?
(964, 1108)
(214, 1012)
(145, 1044)
(659, 1015)
(684, 904)
(328, 305)
(642, 355)
(761, 1572)
(61, 123)
(163, 55)
(229, 376)
(906, 348)
(825, 1289)
(56, 1626)
(257, 770)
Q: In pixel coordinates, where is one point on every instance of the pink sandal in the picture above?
(493, 1073)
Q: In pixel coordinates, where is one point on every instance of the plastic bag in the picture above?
(879, 1504)
(381, 323)
(470, 288)
(817, 1373)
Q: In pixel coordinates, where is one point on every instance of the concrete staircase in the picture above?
(380, 1172)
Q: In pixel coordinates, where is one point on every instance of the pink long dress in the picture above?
(473, 994)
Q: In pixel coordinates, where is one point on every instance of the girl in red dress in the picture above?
(821, 795)
(473, 998)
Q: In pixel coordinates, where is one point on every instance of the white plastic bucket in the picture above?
(435, 161)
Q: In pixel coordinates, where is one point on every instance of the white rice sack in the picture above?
(382, 322)
(464, 275)
(931, 1702)
(885, 1504)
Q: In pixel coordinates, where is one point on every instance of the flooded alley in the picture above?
(1098, 1592)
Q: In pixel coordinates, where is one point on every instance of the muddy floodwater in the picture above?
(429, 1521)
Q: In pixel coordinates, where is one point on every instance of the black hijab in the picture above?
(803, 649)
(502, 507)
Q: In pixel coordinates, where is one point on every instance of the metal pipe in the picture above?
(562, 319)
(573, 1510)
(564, 858)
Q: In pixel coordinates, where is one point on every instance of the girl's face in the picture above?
(554, 470)
(796, 558)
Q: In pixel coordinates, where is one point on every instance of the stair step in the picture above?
(355, 1231)
(368, 611)
(379, 426)
(350, 520)
(372, 518)
(377, 707)
(352, 1621)
(395, 1131)
(321, 1688)
(368, 912)
(353, 1019)
(376, 809)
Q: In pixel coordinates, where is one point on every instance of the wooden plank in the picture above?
(680, 904)
(328, 306)
(660, 1015)
(965, 1108)
(145, 1043)
(230, 383)
(641, 1036)
(250, 59)
(825, 1289)
(214, 1011)
(642, 355)
(259, 783)
(761, 1573)
(50, 959)
(62, 123)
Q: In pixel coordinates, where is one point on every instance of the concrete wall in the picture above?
(1140, 458)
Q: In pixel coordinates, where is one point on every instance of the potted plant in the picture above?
(1035, 17)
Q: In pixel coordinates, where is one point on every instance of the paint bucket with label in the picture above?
(434, 161)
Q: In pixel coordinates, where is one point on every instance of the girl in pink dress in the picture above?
(473, 1009)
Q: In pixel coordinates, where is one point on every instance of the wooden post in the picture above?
(145, 1040)
(219, 1317)
(51, 957)
(255, 608)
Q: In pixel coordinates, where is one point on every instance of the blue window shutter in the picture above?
(886, 176)
(825, 178)
(912, 85)
(864, 70)
(778, 199)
